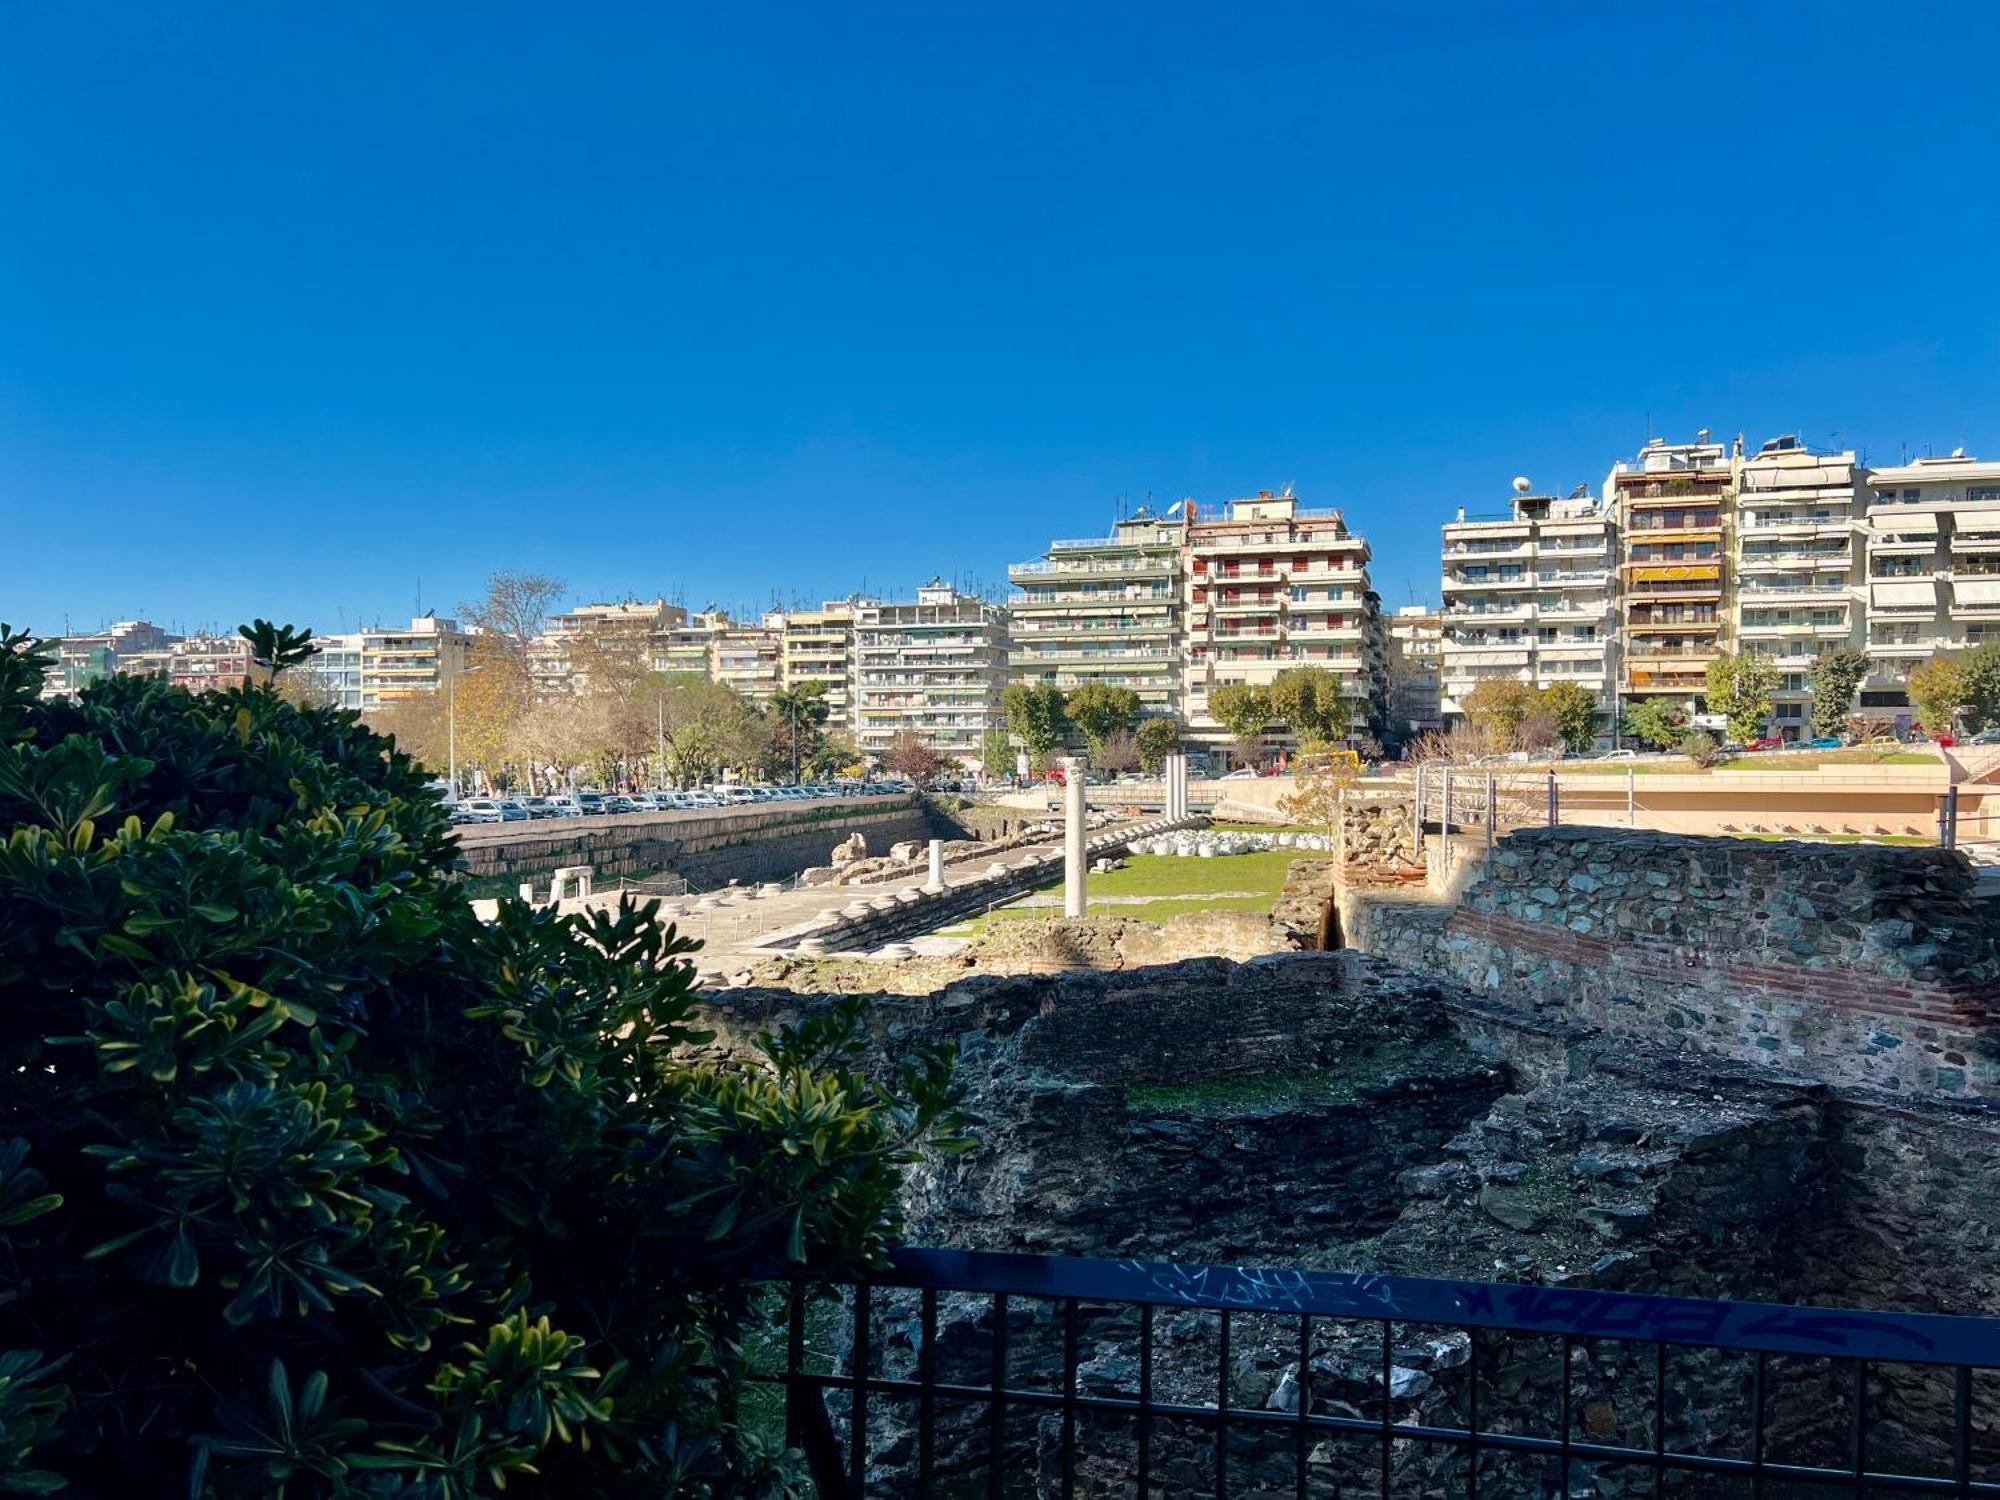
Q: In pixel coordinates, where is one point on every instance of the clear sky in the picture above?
(305, 308)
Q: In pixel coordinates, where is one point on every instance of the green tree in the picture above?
(1938, 688)
(699, 726)
(1657, 723)
(1158, 738)
(1036, 718)
(1701, 747)
(312, 1183)
(1740, 688)
(1244, 709)
(799, 710)
(1099, 711)
(1308, 701)
(1836, 673)
(1574, 709)
(996, 754)
(1981, 668)
(1499, 706)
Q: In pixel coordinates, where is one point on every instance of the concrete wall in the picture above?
(709, 848)
(1859, 964)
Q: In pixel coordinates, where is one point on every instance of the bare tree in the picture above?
(514, 609)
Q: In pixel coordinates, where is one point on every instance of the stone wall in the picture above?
(707, 849)
(1858, 964)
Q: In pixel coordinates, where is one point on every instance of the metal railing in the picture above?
(964, 1372)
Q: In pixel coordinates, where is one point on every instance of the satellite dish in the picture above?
(1958, 453)
(1522, 484)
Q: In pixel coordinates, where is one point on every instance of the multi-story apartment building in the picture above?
(687, 647)
(817, 645)
(1531, 597)
(202, 662)
(561, 657)
(936, 667)
(1675, 507)
(372, 668)
(129, 645)
(1416, 669)
(748, 658)
(1104, 610)
(1798, 563)
(1933, 559)
(1271, 585)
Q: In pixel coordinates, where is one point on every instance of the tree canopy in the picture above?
(1740, 688)
(1836, 673)
(1158, 738)
(1099, 711)
(1036, 717)
(311, 1183)
(1307, 701)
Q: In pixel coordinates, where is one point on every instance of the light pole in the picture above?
(451, 726)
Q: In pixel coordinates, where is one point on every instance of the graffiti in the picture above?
(1262, 1289)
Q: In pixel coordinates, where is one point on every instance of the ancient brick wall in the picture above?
(1858, 964)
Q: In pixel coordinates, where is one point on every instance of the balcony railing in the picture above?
(978, 1412)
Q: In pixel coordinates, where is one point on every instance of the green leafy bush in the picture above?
(311, 1184)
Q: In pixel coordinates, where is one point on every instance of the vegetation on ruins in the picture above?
(1836, 673)
(1739, 687)
(1099, 711)
(313, 1184)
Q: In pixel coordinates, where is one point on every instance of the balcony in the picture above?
(1525, 547)
(1489, 585)
(1268, 605)
(1136, 567)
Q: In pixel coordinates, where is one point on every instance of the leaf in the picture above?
(215, 912)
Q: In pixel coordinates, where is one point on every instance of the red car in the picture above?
(1768, 742)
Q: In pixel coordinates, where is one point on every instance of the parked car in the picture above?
(513, 811)
(621, 805)
(1766, 742)
(1619, 755)
(563, 807)
(479, 810)
(1824, 742)
(1986, 737)
(1243, 773)
(591, 803)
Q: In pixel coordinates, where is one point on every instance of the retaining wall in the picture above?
(1859, 964)
(750, 844)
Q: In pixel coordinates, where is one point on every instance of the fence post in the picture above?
(1492, 811)
(1552, 800)
(1631, 798)
(1444, 823)
(1948, 818)
(1417, 831)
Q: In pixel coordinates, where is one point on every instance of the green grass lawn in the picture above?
(1768, 760)
(1173, 885)
(1841, 838)
(1264, 828)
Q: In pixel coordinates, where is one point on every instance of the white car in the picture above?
(1245, 774)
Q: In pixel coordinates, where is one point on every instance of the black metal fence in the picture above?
(1640, 1394)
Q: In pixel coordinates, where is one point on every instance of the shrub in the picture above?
(311, 1183)
(1701, 747)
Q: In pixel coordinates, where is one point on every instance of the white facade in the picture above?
(1531, 597)
(936, 667)
(1933, 556)
(1798, 566)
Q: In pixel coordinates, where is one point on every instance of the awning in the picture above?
(1985, 522)
(1905, 596)
(1902, 521)
(1676, 575)
(1976, 591)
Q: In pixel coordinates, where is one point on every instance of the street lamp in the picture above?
(451, 726)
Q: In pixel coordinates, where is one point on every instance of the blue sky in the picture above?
(304, 308)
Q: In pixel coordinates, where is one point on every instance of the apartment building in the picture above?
(1933, 562)
(1675, 507)
(127, 646)
(1531, 597)
(1799, 562)
(372, 668)
(1105, 610)
(686, 647)
(202, 662)
(936, 666)
(1272, 585)
(561, 656)
(817, 645)
(1416, 669)
(747, 658)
